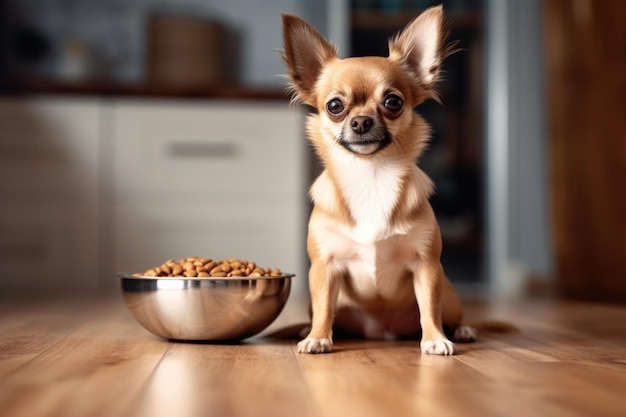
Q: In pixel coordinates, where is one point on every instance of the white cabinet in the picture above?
(268, 233)
(49, 185)
(91, 187)
(207, 150)
(208, 178)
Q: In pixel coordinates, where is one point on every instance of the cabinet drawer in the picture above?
(49, 146)
(208, 149)
(270, 234)
(49, 249)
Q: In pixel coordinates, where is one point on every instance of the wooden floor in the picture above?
(89, 358)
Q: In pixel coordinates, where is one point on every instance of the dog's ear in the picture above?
(420, 47)
(306, 52)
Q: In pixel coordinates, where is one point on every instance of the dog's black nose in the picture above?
(362, 124)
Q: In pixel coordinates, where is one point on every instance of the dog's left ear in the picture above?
(306, 52)
(420, 47)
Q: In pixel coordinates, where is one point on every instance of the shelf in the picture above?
(30, 86)
(387, 20)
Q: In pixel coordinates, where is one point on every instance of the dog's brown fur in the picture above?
(374, 242)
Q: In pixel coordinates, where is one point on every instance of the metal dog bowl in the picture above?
(205, 309)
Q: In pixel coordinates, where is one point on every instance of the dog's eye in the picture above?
(335, 106)
(393, 103)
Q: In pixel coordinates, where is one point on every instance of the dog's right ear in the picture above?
(419, 47)
(306, 52)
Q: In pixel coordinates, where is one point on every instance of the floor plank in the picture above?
(29, 331)
(93, 370)
(90, 358)
(227, 380)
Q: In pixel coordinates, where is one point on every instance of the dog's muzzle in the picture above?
(364, 137)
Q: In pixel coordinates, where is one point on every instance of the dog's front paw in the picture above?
(465, 334)
(313, 345)
(437, 347)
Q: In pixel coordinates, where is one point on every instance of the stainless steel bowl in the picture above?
(205, 309)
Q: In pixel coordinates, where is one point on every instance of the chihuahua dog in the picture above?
(373, 239)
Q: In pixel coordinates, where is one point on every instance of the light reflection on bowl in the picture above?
(205, 309)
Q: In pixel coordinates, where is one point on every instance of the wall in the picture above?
(587, 103)
(114, 31)
(519, 230)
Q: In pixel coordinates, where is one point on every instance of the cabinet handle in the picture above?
(202, 150)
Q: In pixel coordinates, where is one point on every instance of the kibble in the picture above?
(194, 266)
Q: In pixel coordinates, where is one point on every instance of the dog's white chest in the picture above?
(371, 190)
(373, 270)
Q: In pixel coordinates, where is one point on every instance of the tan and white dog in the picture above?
(373, 240)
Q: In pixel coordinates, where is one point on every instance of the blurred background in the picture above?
(134, 131)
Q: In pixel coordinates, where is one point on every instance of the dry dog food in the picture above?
(206, 267)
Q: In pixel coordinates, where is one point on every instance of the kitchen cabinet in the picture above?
(205, 151)
(218, 179)
(49, 187)
(94, 186)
